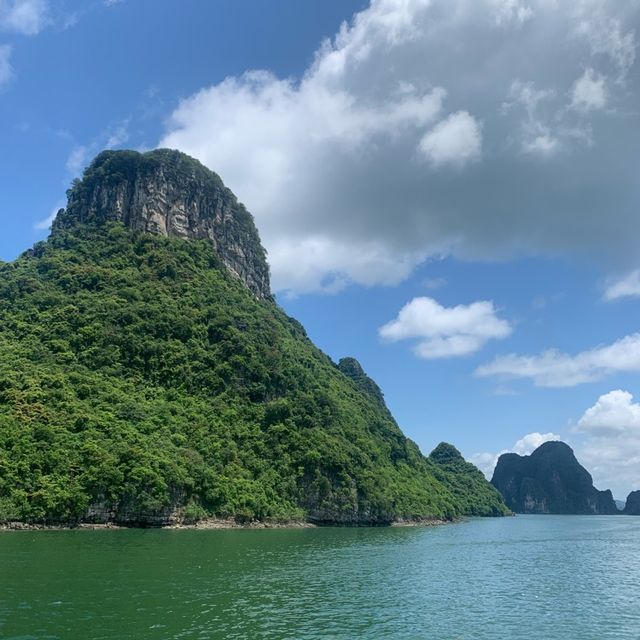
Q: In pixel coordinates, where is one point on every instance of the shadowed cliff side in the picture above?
(550, 480)
(632, 506)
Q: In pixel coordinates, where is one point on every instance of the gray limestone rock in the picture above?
(166, 192)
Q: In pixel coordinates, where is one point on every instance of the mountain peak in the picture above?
(445, 452)
(353, 369)
(166, 192)
(550, 480)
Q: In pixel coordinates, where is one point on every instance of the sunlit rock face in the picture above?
(168, 193)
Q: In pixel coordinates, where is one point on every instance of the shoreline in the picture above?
(211, 524)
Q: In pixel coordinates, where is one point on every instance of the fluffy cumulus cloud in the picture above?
(455, 141)
(553, 368)
(443, 332)
(610, 448)
(397, 143)
(613, 413)
(27, 17)
(486, 462)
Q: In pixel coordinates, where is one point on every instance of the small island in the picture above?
(550, 480)
(148, 377)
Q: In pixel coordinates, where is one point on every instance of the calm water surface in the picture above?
(542, 577)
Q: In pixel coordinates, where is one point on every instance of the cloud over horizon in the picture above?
(611, 446)
(396, 144)
(553, 368)
(606, 441)
(486, 462)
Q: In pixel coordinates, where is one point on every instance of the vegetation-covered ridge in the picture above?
(142, 383)
(466, 482)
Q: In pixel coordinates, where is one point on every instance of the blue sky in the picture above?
(474, 163)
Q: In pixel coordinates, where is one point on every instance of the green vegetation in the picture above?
(139, 381)
(474, 495)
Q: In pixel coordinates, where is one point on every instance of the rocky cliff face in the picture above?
(168, 193)
(550, 480)
(632, 507)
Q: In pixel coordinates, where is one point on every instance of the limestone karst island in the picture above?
(319, 320)
(147, 377)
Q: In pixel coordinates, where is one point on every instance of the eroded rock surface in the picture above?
(168, 193)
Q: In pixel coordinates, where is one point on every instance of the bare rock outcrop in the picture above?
(166, 192)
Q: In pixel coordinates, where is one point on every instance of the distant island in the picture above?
(551, 480)
(148, 377)
(632, 506)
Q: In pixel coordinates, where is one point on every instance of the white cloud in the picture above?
(529, 443)
(606, 442)
(607, 35)
(45, 223)
(613, 413)
(6, 70)
(118, 137)
(27, 17)
(455, 141)
(486, 462)
(542, 141)
(509, 12)
(553, 368)
(626, 287)
(536, 135)
(81, 154)
(78, 159)
(444, 332)
(336, 159)
(434, 283)
(611, 448)
(322, 263)
(589, 91)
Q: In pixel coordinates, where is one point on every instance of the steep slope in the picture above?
(144, 379)
(466, 482)
(353, 369)
(550, 480)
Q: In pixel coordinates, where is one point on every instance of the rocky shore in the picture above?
(214, 523)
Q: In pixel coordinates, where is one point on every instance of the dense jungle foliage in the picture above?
(139, 381)
(466, 482)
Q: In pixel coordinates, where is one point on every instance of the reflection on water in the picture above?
(542, 577)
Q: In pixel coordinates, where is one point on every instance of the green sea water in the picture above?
(528, 577)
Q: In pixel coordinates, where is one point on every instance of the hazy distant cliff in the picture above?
(550, 480)
(632, 506)
(167, 193)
